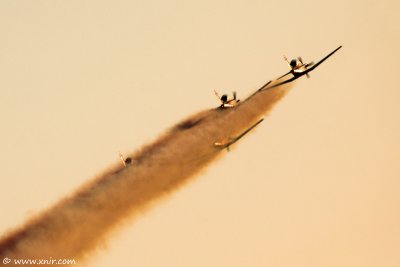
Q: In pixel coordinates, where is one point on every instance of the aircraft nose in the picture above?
(293, 63)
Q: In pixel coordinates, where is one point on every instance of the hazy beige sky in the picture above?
(316, 185)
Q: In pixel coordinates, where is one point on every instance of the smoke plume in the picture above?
(77, 224)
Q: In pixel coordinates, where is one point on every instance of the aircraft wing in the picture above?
(322, 60)
(285, 81)
(247, 131)
(265, 85)
(287, 73)
(234, 140)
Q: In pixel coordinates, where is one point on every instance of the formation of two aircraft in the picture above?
(297, 68)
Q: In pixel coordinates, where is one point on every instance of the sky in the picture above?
(316, 184)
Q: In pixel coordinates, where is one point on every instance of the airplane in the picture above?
(230, 141)
(125, 161)
(298, 68)
(225, 102)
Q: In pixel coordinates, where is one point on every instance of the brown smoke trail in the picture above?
(75, 225)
